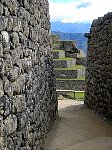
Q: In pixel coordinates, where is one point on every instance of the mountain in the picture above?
(81, 41)
(70, 27)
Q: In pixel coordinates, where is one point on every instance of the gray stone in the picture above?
(6, 11)
(1, 23)
(18, 103)
(1, 9)
(6, 39)
(1, 50)
(11, 124)
(17, 24)
(14, 40)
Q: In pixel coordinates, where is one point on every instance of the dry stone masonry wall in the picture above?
(28, 102)
(70, 73)
(99, 67)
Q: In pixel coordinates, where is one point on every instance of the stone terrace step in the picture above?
(72, 55)
(64, 62)
(81, 61)
(72, 84)
(58, 54)
(73, 72)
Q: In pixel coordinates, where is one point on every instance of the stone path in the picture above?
(79, 129)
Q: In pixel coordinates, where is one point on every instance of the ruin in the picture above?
(99, 67)
(28, 100)
(28, 103)
(69, 64)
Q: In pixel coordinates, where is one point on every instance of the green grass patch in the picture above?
(75, 67)
(78, 95)
(71, 79)
(63, 59)
(55, 44)
(81, 57)
(56, 50)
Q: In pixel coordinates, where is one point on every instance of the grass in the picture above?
(55, 44)
(78, 95)
(71, 79)
(81, 57)
(63, 59)
(57, 50)
(75, 67)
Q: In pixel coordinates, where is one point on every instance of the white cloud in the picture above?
(69, 12)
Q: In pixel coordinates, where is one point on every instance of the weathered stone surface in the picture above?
(11, 124)
(5, 36)
(99, 67)
(70, 73)
(1, 9)
(1, 23)
(64, 63)
(28, 102)
(57, 55)
(76, 85)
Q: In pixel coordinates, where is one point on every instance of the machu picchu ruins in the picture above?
(69, 65)
(37, 66)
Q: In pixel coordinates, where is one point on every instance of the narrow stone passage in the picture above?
(78, 128)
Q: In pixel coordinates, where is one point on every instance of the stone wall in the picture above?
(58, 54)
(99, 67)
(28, 103)
(78, 73)
(76, 85)
(64, 63)
(81, 61)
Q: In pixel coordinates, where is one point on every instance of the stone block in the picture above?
(11, 124)
(1, 9)
(58, 54)
(64, 63)
(14, 39)
(76, 85)
(1, 23)
(18, 103)
(6, 39)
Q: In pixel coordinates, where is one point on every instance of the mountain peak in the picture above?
(70, 27)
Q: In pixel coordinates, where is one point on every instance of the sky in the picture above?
(78, 10)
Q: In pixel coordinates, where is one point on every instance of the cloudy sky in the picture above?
(78, 10)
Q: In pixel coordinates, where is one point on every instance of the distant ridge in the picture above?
(70, 27)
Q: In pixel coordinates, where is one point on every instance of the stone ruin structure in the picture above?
(69, 64)
(28, 102)
(99, 67)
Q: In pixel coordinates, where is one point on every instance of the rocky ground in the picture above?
(78, 128)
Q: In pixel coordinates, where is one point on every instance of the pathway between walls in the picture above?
(78, 128)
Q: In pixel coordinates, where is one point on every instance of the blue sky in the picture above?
(78, 10)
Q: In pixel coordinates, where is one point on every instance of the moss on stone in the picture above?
(75, 67)
(71, 79)
(63, 59)
(57, 50)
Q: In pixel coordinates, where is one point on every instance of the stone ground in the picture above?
(78, 128)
